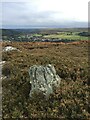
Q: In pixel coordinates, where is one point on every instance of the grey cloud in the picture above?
(18, 15)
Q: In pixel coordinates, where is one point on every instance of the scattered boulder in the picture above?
(9, 48)
(43, 79)
(2, 62)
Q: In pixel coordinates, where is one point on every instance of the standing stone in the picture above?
(43, 79)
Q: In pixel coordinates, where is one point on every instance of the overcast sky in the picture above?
(44, 13)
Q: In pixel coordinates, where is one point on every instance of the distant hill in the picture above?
(11, 32)
(39, 34)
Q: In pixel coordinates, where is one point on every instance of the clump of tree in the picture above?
(86, 34)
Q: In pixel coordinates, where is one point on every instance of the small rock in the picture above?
(9, 48)
(2, 62)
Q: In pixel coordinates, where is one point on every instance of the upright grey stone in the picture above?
(43, 79)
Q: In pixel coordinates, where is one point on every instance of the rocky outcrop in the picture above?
(43, 79)
(9, 48)
(2, 62)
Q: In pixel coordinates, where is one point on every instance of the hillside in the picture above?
(46, 35)
(69, 101)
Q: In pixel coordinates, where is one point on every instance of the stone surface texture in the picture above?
(43, 79)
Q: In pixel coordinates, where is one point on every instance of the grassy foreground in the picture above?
(70, 101)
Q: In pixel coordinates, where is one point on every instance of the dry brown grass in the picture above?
(70, 101)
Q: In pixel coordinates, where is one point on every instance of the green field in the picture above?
(66, 35)
(45, 34)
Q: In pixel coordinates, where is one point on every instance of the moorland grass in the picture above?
(70, 101)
